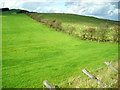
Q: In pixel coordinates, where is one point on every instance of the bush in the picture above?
(88, 34)
(38, 18)
(72, 29)
(32, 15)
(49, 22)
(116, 34)
(45, 21)
(52, 23)
(102, 32)
(57, 25)
(69, 30)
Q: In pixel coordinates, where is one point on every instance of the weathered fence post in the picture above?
(48, 85)
(93, 77)
(107, 63)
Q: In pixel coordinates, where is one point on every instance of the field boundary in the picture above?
(103, 85)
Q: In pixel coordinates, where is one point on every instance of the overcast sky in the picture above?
(107, 9)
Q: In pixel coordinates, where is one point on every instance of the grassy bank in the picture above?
(33, 53)
(106, 75)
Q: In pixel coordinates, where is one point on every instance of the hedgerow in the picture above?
(100, 34)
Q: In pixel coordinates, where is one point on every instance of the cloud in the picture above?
(32, 5)
(93, 1)
(69, 3)
(18, 3)
(38, 9)
(107, 9)
(54, 10)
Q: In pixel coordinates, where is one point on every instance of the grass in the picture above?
(106, 75)
(33, 53)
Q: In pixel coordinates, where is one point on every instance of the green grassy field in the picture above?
(80, 22)
(33, 53)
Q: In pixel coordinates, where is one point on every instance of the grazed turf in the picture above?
(33, 53)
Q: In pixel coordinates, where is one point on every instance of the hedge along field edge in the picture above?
(99, 35)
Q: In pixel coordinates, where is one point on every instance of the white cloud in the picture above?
(105, 10)
(37, 9)
(95, 1)
(54, 10)
(18, 3)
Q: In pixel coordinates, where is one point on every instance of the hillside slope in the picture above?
(33, 53)
(72, 18)
(82, 27)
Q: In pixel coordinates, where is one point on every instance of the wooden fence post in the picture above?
(93, 77)
(107, 63)
(48, 85)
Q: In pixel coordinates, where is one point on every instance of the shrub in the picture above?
(72, 29)
(69, 30)
(38, 18)
(91, 33)
(57, 25)
(45, 21)
(102, 31)
(52, 23)
(49, 22)
(88, 34)
(116, 34)
(83, 34)
(33, 15)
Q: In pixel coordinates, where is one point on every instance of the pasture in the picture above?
(32, 53)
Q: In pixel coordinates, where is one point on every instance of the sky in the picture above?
(106, 9)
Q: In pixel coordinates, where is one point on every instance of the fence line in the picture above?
(115, 69)
(93, 77)
(48, 85)
(51, 87)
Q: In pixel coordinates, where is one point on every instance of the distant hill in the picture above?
(73, 18)
(10, 11)
(4, 9)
